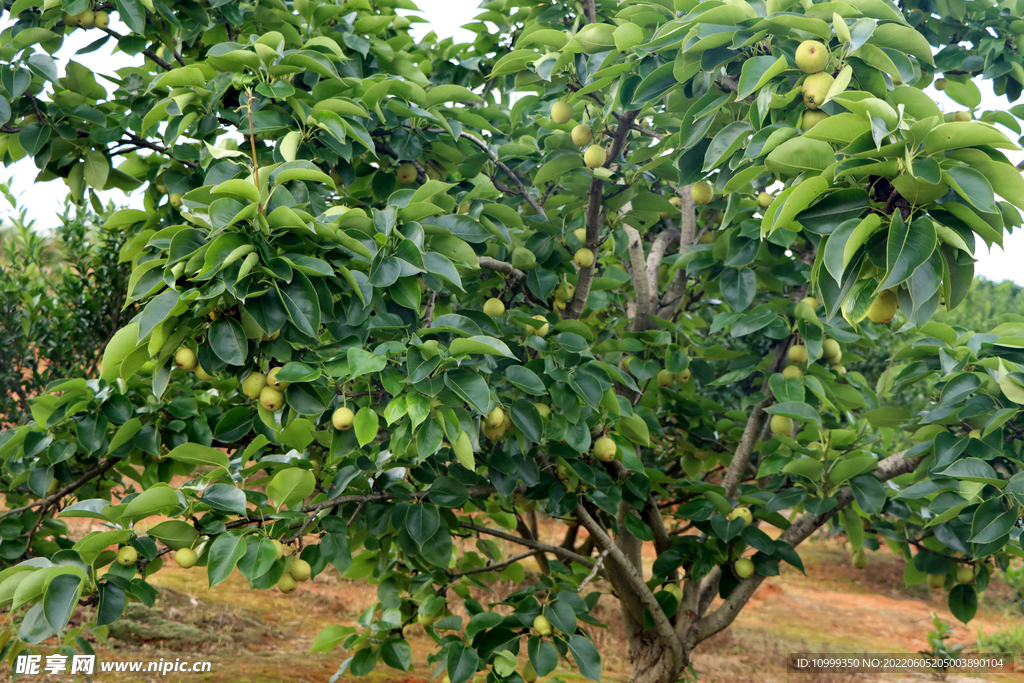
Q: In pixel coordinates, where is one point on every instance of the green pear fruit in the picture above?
(811, 56)
(343, 419)
(798, 353)
(584, 258)
(494, 308)
(595, 156)
(792, 372)
(271, 399)
(561, 112)
(744, 568)
(815, 89)
(883, 308)
(605, 449)
(406, 173)
(253, 385)
(781, 425)
(702, 193)
(186, 558)
(582, 135)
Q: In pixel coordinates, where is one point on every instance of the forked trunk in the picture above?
(651, 661)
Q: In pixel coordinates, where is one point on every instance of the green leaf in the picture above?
(525, 379)
(527, 419)
(302, 305)
(362, 362)
(112, 603)
(462, 662)
(60, 600)
(480, 345)
(991, 520)
(225, 552)
(557, 167)
(973, 187)
(909, 246)
(963, 602)
(291, 486)
(330, 637)
(228, 341)
(366, 425)
(757, 71)
(97, 167)
(470, 387)
(795, 410)
(150, 502)
(197, 454)
(587, 659)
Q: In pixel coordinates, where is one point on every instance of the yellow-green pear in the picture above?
(595, 156)
(781, 425)
(494, 308)
(185, 359)
(815, 89)
(883, 308)
(702, 192)
(343, 419)
(811, 56)
(271, 399)
(406, 173)
(582, 135)
(561, 112)
(253, 385)
(584, 258)
(798, 353)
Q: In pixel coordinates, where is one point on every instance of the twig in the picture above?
(78, 483)
(593, 572)
(495, 566)
(515, 179)
(536, 545)
(148, 52)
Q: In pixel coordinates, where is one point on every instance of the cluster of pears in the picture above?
(667, 379)
(595, 155)
(268, 389)
(496, 423)
(964, 574)
(812, 57)
(87, 19)
(297, 572)
(186, 361)
(744, 566)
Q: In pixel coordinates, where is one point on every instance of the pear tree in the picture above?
(609, 264)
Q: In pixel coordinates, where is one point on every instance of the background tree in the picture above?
(418, 310)
(61, 298)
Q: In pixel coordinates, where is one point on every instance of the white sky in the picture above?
(44, 202)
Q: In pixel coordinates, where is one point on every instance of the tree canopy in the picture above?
(606, 263)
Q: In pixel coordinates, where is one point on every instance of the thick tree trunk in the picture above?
(651, 660)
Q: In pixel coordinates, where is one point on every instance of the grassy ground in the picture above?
(253, 636)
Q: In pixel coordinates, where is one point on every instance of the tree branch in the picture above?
(515, 179)
(641, 281)
(636, 583)
(594, 217)
(799, 531)
(687, 237)
(496, 566)
(96, 471)
(590, 11)
(661, 244)
(536, 545)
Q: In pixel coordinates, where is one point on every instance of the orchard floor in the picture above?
(252, 637)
